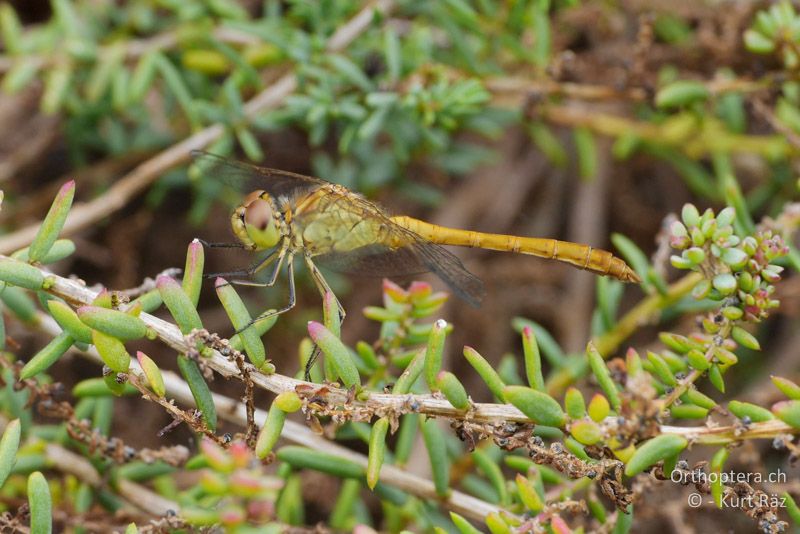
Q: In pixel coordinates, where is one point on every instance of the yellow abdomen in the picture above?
(581, 256)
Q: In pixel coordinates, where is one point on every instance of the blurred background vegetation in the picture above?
(565, 119)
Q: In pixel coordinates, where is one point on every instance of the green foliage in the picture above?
(9, 445)
(774, 30)
(419, 90)
(241, 320)
(659, 448)
(41, 503)
(377, 450)
(235, 490)
(152, 373)
(336, 351)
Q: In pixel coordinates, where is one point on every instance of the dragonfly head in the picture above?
(254, 222)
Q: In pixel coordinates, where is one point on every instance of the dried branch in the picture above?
(144, 499)
(133, 49)
(76, 293)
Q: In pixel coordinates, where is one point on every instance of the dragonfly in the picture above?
(326, 224)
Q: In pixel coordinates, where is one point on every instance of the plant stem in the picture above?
(73, 291)
(723, 435)
(692, 377)
(641, 314)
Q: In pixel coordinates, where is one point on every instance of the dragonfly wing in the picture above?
(450, 269)
(374, 260)
(376, 246)
(418, 257)
(246, 178)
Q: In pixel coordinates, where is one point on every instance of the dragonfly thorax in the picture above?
(254, 221)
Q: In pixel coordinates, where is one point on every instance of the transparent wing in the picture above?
(418, 257)
(374, 260)
(390, 250)
(245, 177)
(450, 269)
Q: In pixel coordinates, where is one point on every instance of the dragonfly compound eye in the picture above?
(259, 221)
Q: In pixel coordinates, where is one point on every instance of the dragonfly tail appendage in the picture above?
(604, 263)
(622, 271)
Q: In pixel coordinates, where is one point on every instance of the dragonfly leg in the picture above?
(277, 254)
(249, 271)
(225, 274)
(276, 270)
(323, 287)
(211, 244)
(289, 305)
(312, 359)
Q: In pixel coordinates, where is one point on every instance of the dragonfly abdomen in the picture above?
(582, 256)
